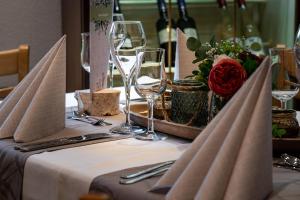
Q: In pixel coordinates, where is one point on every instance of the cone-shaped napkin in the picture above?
(36, 107)
(184, 58)
(232, 157)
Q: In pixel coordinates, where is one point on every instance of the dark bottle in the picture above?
(185, 22)
(117, 8)
(227, 28)
(163, 32)
(253, 41)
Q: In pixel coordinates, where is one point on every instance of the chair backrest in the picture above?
(14, 61)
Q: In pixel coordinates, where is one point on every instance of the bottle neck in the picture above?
(222, 4)
(163, 12)
(242, 4)
(117, 8)
(182, 9)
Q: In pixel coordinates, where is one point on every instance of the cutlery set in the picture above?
(146, 173)
(83, 117)
(288, 162)
(60, 142)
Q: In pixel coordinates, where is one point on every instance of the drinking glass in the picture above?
(284, 81)
(116, 17)
(85, 52)
(125, 38)
(150, 82)
(297, 52)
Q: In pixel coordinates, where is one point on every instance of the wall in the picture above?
(35, 22)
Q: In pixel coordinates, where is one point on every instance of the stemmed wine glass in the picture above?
(297, 52)
(150, 82)
(85, 52)
(125, 38)
(116, 17)
(284, 81)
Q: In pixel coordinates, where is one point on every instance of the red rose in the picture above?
(226, 76)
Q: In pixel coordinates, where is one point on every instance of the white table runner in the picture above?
(67, 174)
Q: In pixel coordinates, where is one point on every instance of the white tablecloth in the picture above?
(67, 174)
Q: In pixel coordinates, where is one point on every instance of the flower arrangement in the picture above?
(222, 67)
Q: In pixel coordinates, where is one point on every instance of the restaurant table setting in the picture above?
(48, 151)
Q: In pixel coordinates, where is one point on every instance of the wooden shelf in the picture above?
(187, 1)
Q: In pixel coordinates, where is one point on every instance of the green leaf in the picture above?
(200, 53)
(195, 72)
(196, 60)
(277, 132)
(193, 44)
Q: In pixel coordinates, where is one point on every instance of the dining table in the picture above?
(67, 173)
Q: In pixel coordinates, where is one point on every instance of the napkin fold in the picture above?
(232, 157)
(184, 58)
(36, 107)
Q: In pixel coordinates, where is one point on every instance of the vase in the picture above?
(189, 103)
(215, 104)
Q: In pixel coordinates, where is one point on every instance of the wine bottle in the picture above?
(162, 28)
(253, 41)
(117, 8)
(185, 22)
(227, 31)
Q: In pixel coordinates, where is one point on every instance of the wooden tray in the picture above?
(286, 145)
(138, 114)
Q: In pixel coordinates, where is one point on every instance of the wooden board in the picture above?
(138, 114)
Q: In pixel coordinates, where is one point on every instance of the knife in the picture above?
(145, 171)
(61, 141)
(142, 177)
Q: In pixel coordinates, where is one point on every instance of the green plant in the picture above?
(277, 132)
(207, 52)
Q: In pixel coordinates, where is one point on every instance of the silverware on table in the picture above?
(98, 122)
(60, 142)
(144, 176)
(145, 171)
(88, 117)
(290, 160)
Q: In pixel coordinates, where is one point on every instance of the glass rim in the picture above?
(151, 49)
(127, 22)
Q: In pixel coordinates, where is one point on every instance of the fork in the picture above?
(99, 122)
(86, 116)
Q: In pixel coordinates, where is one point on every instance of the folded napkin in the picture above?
(184, 58)
(232, 157)
(36, 107)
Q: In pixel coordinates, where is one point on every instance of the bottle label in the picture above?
(254, 44)
(190, 32)
(163, 35)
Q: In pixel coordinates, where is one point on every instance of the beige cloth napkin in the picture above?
(232, 157)
(184, 58)
(36, 107)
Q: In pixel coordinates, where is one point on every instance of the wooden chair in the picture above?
(14, 61)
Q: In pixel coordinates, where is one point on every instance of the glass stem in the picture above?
(111, 78)
(127, 102)
(150, 115)
(283, 105)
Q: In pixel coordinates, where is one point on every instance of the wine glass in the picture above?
(297, 52)
(125, 38)
(284, 81)
(85, 52)
(116, 17)
(150, 82)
